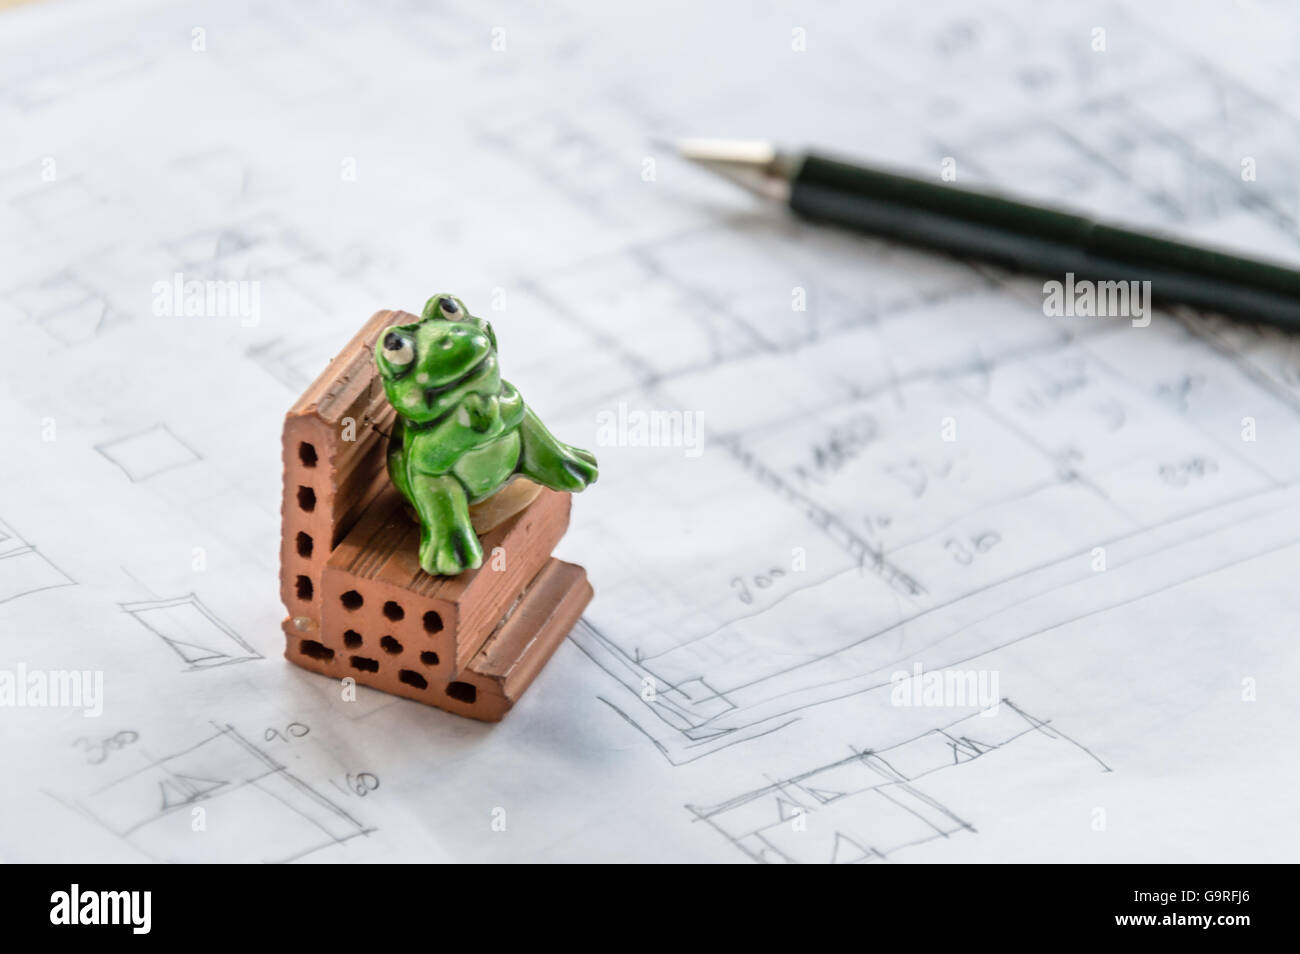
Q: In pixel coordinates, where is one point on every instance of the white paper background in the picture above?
(522, 170)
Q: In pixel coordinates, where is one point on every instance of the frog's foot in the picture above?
(452, 551)
(552, 463)
(580, 465)
(563, 468)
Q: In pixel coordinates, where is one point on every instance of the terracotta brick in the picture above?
(495, 678)
(373, 586)
(518, 649)
(328, 481)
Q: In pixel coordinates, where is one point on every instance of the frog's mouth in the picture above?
(483, 364)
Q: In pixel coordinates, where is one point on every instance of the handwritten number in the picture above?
(294, 729)
(963, 551)
(761, 580)
(98, 750)
(363, 783)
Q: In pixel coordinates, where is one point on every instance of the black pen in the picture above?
(1019, 235)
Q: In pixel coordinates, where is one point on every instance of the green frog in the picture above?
(461, 433)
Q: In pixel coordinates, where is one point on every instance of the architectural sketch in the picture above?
(872, 803)
(192, 631)
(220, 778)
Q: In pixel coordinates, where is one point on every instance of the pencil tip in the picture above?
(755, 164)
(754, 152)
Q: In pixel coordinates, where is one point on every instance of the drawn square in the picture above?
(703, 700)
(148, 453)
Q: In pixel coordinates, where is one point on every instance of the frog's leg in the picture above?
(448, 544)
(550, 462)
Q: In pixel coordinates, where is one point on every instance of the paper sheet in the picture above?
(902, 462)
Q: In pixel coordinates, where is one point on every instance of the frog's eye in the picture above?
(398, 350)
(449, 308)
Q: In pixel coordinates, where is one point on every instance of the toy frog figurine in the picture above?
(461, 433)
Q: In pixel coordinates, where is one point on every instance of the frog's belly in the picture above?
(484, 469)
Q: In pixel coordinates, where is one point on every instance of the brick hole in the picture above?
(304, 544)
(432, 622)
(351, 638)
(315, 650)
(352, 600)
(429, 658)
(390, 645)
(307, 454)
(393, 610)
(364, 664)
(462, 691)
(413, 679)
(306, 499)
(304, 587)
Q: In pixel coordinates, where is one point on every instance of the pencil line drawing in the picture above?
(869, 805)
(24, 569)
(192, 631)
(224, 775)
(148, 453)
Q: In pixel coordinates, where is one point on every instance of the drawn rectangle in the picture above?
(148, 453)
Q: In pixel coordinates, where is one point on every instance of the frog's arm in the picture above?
(512, 406)
(397, 457)
(479, 412)
(492, 414)
(550, 462)
(435, 450)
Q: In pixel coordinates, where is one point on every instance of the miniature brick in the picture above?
(516, 652)
(510, 659)
(328, 479)
(373, 585)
